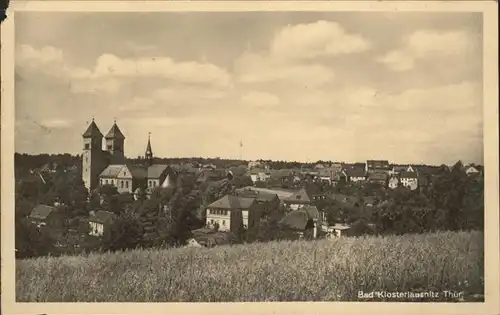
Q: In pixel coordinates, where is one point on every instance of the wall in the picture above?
(223, 220)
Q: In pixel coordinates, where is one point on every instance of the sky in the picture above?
(304, 86)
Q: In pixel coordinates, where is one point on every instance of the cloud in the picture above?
(162, 67)
(293, 53)
(251, 68)
(260, 99)
(426, 44)
(111, 72)
(322, 38)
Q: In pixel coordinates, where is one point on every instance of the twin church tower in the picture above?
(95, 159)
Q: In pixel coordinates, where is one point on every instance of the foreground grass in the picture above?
(327, 270)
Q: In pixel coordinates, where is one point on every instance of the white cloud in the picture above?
(46, 54)
(260, 99)
(426, 44)
(109, 70)
(292, 52)
(322, 38)
(163, 67)
(253, 68)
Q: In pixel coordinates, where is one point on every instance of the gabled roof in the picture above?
(115, 133)
(111, 171)
(282, 194)
(299, 196)
(377, 164)
(102, 217)
(259, 196)
(92, 131)
(408, 175)
(156, 170)
(138, 171)
(41, 212)
(232, 202)
(378, 176)
(355, 172)
(311, 211)
(295, 220)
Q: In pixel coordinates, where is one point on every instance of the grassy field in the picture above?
(326, 270)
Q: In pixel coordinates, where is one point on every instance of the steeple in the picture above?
(91, 156)
(92, 131)
(149, 151)
(115, 133)
(115, 141)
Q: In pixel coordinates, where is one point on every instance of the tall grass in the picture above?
(326, 270)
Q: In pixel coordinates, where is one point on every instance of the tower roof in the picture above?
(92, 131)
(115, 133)
(148, 148)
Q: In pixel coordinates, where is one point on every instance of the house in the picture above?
(355, 175)
(339, 230)
(471, 170)
(397, 169)
(268, 200)
(409, 180)
(259, 175)
(43, 215)
(206, 175)
(206, 237)
(100, 221)
(253, 164)
(327, 175)
(393, 182)
(282, 194)
(298, 199)
(156, 175)
(306, 218)
(378, 178)
(126, 178)
(230, 212)
(377, 166)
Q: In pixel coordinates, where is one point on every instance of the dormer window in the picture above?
(87, 146)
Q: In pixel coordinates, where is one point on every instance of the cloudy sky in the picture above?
(338, 86)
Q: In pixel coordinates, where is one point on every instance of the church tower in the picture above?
(149, 153)
(92, 156)
(115, 141)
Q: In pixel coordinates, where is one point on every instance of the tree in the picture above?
(32, 241)
(124, 233)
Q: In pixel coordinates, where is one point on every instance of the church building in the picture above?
(109, 167)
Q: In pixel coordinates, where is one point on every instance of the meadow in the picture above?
(322, 270)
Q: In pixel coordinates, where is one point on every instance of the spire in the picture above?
(149, 151)
(92, 131)
(115, 133)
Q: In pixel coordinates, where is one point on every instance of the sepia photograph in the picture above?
(259, 155)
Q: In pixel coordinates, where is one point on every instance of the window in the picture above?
(224, 222)
(126, 184)
(121, 183)
(110, 147)
(106, 181)
(149, 184)
(124, 173)
(87, 146)
(102, 182)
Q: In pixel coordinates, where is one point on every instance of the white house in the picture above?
(471, 170)
(393, 182)
(99, 222)
(409, 180)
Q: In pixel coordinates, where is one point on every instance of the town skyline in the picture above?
(381, 89)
